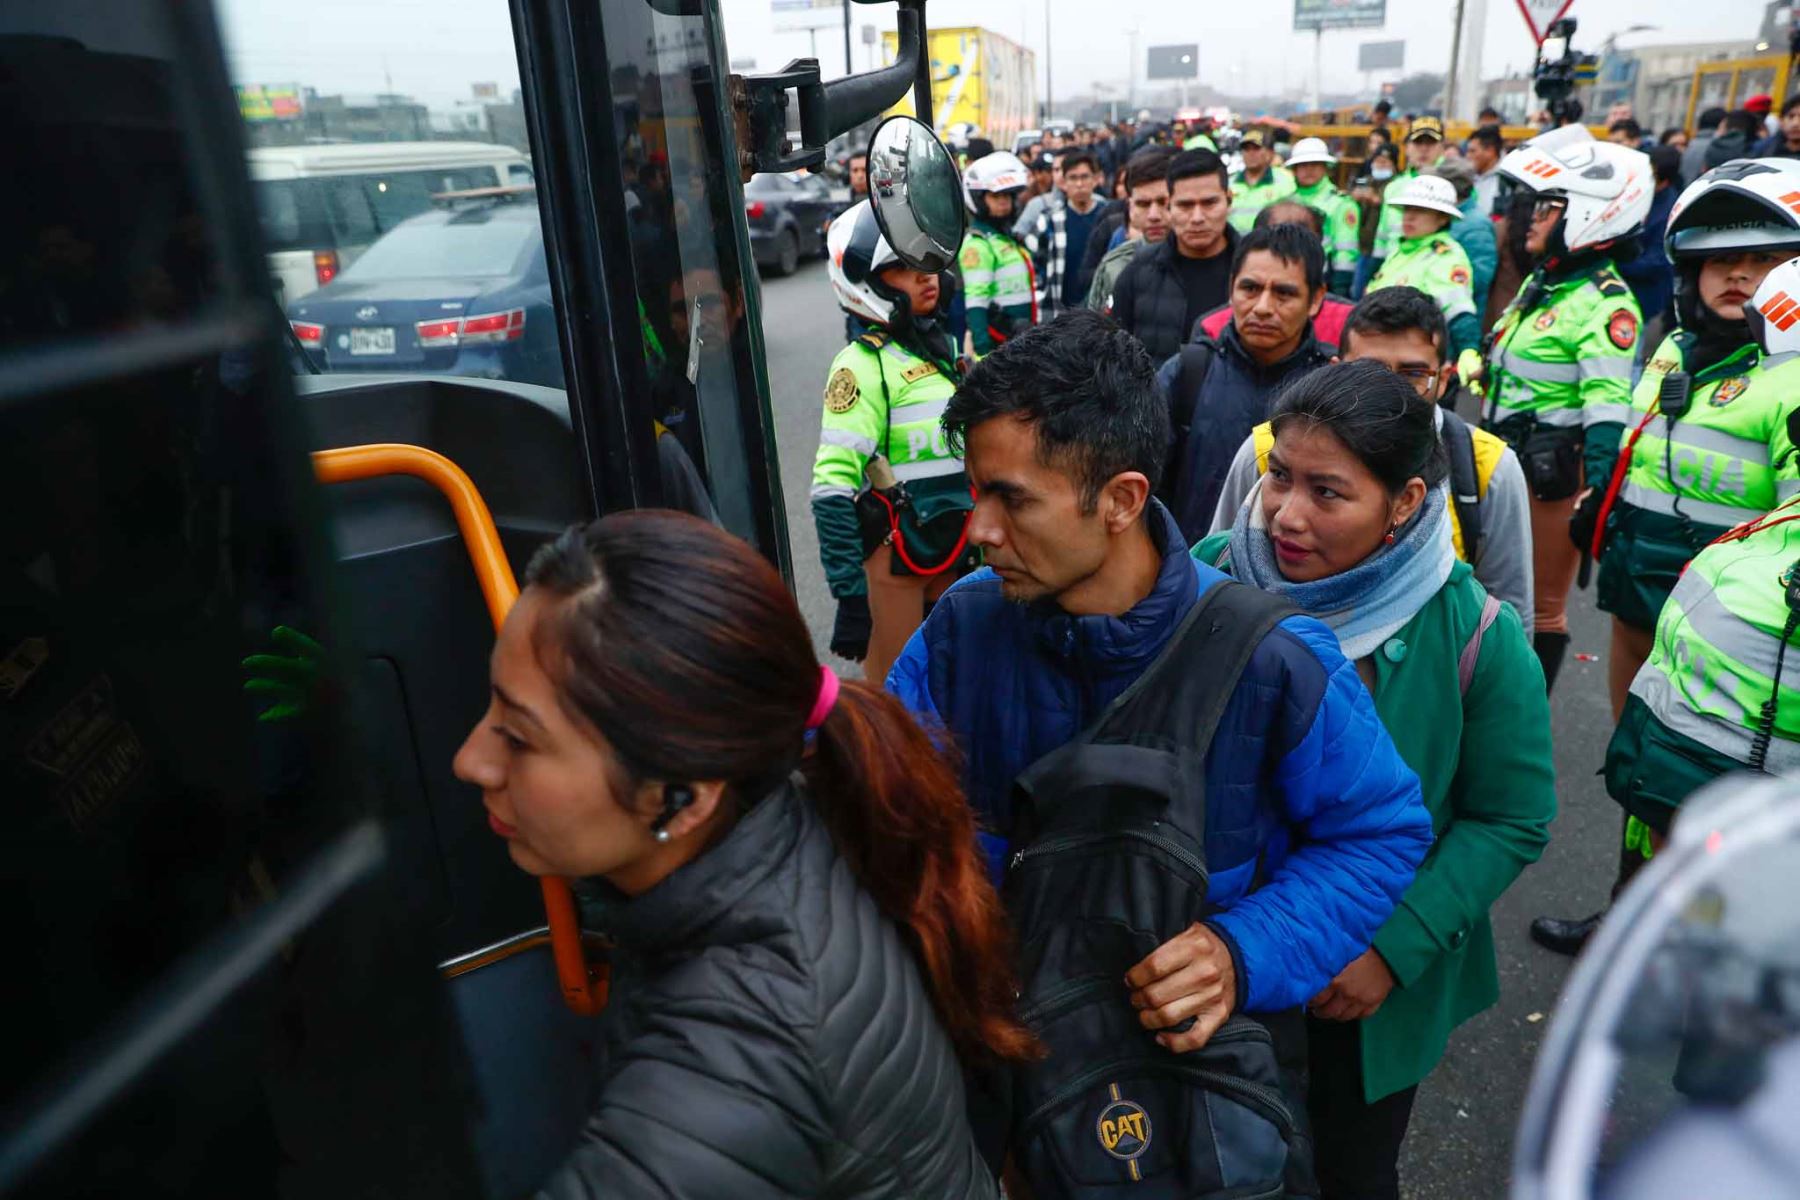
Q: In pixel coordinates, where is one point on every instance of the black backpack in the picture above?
(1110, 831)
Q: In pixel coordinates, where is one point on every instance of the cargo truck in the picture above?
(978, 78)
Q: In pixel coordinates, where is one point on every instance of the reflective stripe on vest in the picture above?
(1598, 367)
(1704, 511)
(1561, 418)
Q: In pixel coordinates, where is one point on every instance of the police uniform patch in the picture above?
(1440, 247)
(971, 257)
(1730, 390)
(918, 371)
(1545, 320)
(842, 391)
(1458, 275)
(1622, 328)
(1351, 218)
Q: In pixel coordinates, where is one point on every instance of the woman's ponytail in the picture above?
(897, 813)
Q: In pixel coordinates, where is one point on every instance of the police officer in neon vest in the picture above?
(1707, 444)
(1560, 359)
(1720, 690)
(1311, 164)
(1259, 184)
(997, 279)
(889, 499)
(1428, 258)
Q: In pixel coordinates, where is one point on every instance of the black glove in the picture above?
(850, 632)
(1585, 519)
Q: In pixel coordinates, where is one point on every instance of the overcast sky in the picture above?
(434, 49)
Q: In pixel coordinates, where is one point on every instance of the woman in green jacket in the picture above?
(1350, 524)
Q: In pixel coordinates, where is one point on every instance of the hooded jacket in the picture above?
(1302, 782)
(769, 1034)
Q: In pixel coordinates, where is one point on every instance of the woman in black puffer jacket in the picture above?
(808, 950)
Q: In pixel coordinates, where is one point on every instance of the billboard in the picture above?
(1339, 14)
(269, 102)
(1173, 62)
(793, 15)
(1381, 56)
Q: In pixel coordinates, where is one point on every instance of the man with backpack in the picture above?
(1199, 817)
(1490, 505)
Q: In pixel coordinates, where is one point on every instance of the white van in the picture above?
(322, 205)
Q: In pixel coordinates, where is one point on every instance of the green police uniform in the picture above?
(998, 283)
(1696, 707)
(1726, 460)
(1342, 217)
(882, 398)
(1200, 141)
(1437, 266)
(1561, 364)
(1248, 199)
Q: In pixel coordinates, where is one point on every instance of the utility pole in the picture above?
(1456, 33)
(1131, 72)
(1049, 82)
(849, 67)
(1318, 59)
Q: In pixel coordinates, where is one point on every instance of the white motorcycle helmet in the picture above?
(1739, 207)
(1774, 312)
(1000, 171)
(1608, 187)
(858, 254)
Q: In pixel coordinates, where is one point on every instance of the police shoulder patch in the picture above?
(1622, 328)
(1351, 217)
(1610, 284)
(842, 391)
(971, 256)
(1459, 275)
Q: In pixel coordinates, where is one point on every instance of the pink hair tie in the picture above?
(828, 694)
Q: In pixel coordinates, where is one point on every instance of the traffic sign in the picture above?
(1540, 15)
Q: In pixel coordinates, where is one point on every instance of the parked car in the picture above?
(461, 290)
(321, 206)
(787, 215)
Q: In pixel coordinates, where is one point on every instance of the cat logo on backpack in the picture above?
(1124, 1129)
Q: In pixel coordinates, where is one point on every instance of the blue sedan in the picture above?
(462, 290)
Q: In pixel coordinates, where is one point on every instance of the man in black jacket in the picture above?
(1164, 291)
(1220, 390)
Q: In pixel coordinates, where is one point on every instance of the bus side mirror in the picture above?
(917, 194)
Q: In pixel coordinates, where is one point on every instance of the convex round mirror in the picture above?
(916, 193)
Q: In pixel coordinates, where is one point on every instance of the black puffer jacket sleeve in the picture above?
(710, 1100)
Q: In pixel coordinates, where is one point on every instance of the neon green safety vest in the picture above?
(1200, 141)
(880, 398)
(1437, 266)
(1342, 218)
(1248, 199)
(1567, 360)
(1713, 662)
(998, 283)
(1728, 459)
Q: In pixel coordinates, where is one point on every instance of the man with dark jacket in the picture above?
(1693, 160)
(1219, 390)
(1164, 291)
(1784, 142)
(1742, 130)
(1313, 825)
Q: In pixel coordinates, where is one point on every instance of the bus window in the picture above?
(695, 315)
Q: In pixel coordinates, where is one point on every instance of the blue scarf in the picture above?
(1372, 601)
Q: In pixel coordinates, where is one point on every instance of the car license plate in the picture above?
(375, 340)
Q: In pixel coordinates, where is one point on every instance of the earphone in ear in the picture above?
(676, 796)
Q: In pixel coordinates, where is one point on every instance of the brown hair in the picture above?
(683, 648)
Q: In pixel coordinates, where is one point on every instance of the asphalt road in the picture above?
(1460, 1143)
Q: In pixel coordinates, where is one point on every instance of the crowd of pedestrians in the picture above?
(1206, 536)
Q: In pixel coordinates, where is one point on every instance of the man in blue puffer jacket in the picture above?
(1064, 434)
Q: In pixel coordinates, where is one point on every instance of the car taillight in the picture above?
(433, 334)
(310, 336)
(508, 326)
(754, 210)
(325, 266)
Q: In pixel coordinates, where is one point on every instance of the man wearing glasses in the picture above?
(1490, 514)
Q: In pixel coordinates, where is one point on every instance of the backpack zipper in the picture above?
(1074, 841)
(1064, 996)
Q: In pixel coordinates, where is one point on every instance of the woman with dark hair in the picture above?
(1350, 523)
(808, 949)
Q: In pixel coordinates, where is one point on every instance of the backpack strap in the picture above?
(1465, 483)
(1196, 360)
(1471, 651)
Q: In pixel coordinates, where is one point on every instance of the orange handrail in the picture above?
(582, 990)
